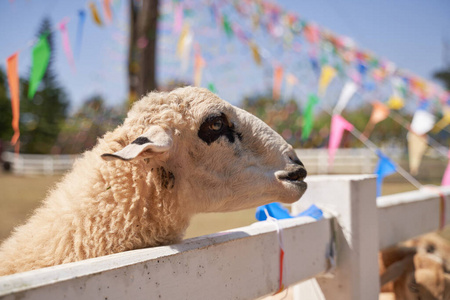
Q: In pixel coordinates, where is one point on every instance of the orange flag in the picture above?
(95, 14)
(380, 112)
(199, 64)
(107, 10)
(277, 81)
(13, 80)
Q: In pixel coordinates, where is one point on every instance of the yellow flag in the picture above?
(255, 53)
(443, 122)
(95, 14)
(182, 40)
(417, 145)
(326, 75)
(396, 102)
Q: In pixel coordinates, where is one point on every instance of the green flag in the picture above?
(227, 26)
(212, 87)
(41, 57)
(308, 116)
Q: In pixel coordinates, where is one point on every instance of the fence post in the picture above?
(352, 199)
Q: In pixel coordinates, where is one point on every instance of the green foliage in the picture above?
(444, 77)
(286, 119)
(92, 120)
(6, 131)
(283, 117)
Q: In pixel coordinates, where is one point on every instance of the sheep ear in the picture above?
(153, 141)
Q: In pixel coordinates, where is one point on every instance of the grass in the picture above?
(21, 195)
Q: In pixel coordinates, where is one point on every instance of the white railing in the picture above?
(347, 161)
(244, 263)
(25, 164)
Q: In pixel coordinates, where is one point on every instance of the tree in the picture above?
(142, 47)
(6, 131)
(43, 116)
(283, 117)
(444, 77)
(92, 120)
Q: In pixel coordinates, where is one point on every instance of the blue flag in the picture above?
(385, 167)
(81, 18)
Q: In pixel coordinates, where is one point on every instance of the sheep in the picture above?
(416, 269)
(177, 154)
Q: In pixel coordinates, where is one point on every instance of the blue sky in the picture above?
(409, 33)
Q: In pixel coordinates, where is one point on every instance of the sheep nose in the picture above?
(293, 173)
(298, 174)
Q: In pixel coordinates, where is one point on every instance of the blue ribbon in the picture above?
(277, 211)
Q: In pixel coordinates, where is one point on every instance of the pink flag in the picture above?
(178, 18)
(66, 42)
(338, 125)
(446, 178)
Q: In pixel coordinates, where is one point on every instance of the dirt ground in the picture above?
(20, 195)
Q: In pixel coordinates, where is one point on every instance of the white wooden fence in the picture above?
(244, 263)
(27, 164)
(347, 161)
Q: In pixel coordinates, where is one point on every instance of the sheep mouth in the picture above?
(299, 183)
(293, 177)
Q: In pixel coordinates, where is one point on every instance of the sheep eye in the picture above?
(216, 125)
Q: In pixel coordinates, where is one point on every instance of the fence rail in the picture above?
(27, 164)
(244, 263)
(347, 161)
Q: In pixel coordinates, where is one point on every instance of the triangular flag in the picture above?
(81, 19)
(66, 43)
(41, 57)
(347, 93)
(184, 46)
(422, 122)
(312, 33)
(396, 102)
(199, 64)
(277, 81)
(444, 121)
(291, 80)
(446, 177)
(95, 14)
(308, 116)
(178, 18)
(326, 75)
(227, 26)
(385, 167)
(338, 125)
(107, 10)
(212, 88)
(255, 53)
(13, 81)
(379, 112)
(417, 145)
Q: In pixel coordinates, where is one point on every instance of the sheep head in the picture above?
(214, 156)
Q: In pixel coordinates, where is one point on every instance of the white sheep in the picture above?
(177, 154)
